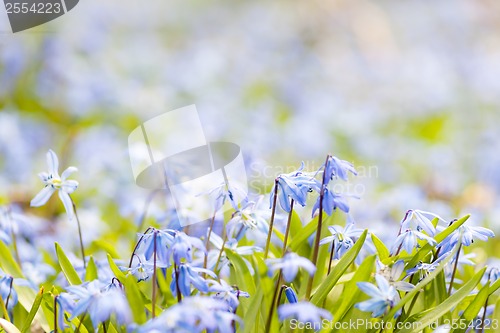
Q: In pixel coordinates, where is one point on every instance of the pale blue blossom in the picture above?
(337, 168)
(289, 265)
(408, 240)
(53, 182)
(187, 276)
(383, 297)
(415, 218)
(465, 235)
(304, 312)
(342, 239)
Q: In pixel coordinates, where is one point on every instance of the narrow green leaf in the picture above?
(91, 272)
(474, 307)
(7, 262)
(243, 277)
(326, 286)
(115, 269)
(66, 267)
(382, 250)
(253, 311)
(452, 301)
(305, 233)
(33, 311)
(363, 273)
(135, 299)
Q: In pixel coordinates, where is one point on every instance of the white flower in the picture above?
(53, 182)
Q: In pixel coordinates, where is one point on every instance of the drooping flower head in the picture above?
(408, 240)
(337, 168)
(465, 235)
(294, 185)
(420, 219)
(53, 182)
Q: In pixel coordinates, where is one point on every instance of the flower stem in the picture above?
(79, 232)
(331, 258)
(137, 245)
(177, 289)
(55, 314)
(104, 330)
(273, 302)
(271, 222)
(287, 232)
(454, 269)
(318, 232)
(207, 242)
(153, 297)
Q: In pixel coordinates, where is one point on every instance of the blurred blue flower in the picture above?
(383, 297)
(341, 238)
(337, 168)
(295, 185)
(291, 296)
(248, 217)
(188, 276)
(142, 270)
(100, 301)
(230, 295)
(9, 294)
(182, 248)
(408, 240)
(304, 312)
(421, 219)
(465, 235)
(53, 182)
(194, 314)
(290, 265)
(223, 192)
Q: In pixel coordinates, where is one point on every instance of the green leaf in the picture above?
(135, 299)
(252, 313)
(326, 286)
(305, 233)
(7, 262)
(115, 269)
(382, 250)
(474, 307)
(33, 311)
(91, 272)
(8, 326)
(66, 266)
(243, 277)
(452, 301)
(363, 273)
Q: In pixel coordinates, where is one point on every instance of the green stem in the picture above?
(318, 232)
(153, 297)
(207, 242)
(454, 269)
(287, 231)
(79, 232)
(273, 303)
(271, 222)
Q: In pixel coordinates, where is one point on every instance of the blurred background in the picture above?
(407, 91)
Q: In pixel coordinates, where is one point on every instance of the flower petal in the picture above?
(52, 162)
(42, 197)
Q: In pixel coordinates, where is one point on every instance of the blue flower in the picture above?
(190, 276)
(65, 302)
(337, 168)
(421, 219)
(425, 269)
(182, 248)
(100, 301)
(341, 239)
(291, 296)
(142, 270)
(295, 185)
(249, 217)
(9, 294)
(465, 235)
(408, 240)
(194, 314)
(304, 312)
(223, 192)
(382, 299)
(164, 239)
(228, 294)
(53, 182)
(290, 265)
(331, 201)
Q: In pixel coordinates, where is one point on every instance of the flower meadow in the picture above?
(258, 266)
